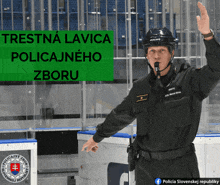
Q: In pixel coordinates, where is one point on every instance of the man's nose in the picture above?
(156, 55)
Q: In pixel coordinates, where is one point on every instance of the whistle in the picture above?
(156, 66)
(157, 69)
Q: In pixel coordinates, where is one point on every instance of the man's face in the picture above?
(159, 54)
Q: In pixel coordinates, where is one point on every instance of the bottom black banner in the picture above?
(179, 181)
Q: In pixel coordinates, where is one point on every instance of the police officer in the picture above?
(167, 105)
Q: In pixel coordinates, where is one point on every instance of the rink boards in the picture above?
(109, 165)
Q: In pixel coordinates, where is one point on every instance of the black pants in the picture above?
(146, 171)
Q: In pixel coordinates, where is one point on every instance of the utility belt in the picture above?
(133, 154)
(168, 154)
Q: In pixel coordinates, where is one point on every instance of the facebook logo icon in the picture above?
(158, 181)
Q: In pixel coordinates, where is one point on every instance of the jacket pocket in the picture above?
(179, 112)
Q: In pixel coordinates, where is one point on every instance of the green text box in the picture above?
(57, 55)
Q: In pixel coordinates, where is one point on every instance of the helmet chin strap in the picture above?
(159, 87)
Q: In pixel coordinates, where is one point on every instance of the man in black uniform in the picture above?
(167, 104)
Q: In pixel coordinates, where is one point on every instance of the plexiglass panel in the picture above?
(101, 99)
(17, 112)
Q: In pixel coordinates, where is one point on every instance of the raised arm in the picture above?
(205, 79)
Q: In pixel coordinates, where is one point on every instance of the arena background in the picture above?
(53, 112)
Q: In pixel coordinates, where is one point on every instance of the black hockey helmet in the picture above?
(159, 37)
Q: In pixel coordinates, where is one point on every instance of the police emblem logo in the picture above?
(15, 168)
(142, 97)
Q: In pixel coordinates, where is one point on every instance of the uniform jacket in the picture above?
(170, 119)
